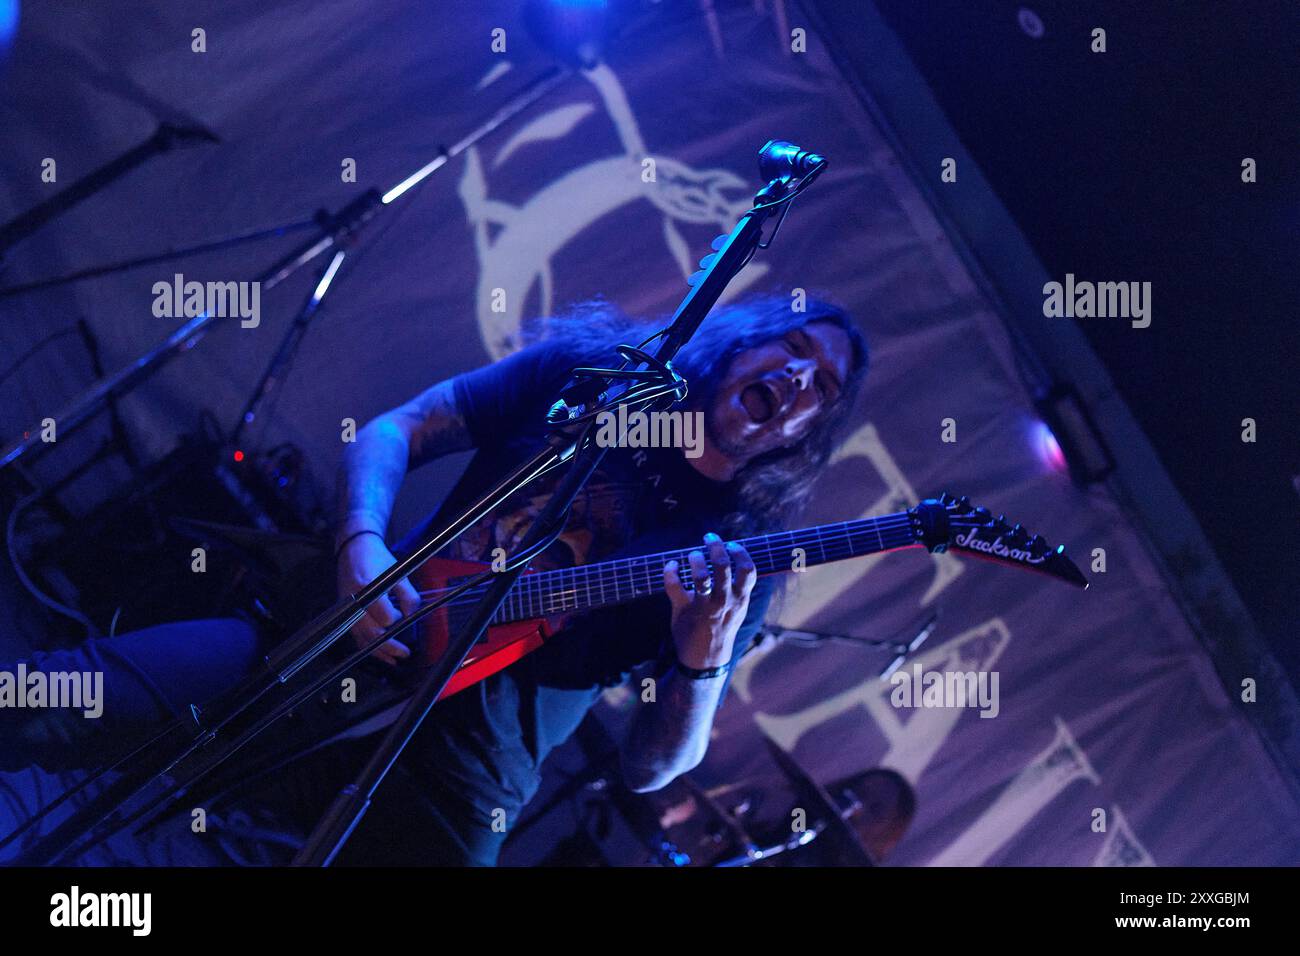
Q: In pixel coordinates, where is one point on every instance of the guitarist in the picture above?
(772, 385)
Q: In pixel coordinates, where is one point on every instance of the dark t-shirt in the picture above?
(487, 743)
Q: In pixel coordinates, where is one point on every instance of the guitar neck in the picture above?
(616, 581)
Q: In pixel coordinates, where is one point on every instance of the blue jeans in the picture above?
(153, 675)
(149, 677)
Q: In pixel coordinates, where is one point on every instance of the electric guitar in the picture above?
(540, 600)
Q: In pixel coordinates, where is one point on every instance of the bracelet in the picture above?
(353, 536)
(696, 673)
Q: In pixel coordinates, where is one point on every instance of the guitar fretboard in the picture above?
(547, 593)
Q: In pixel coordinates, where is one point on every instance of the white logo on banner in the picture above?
(1122, 847)
(516, 244)
(1060, 764)
(912, 743)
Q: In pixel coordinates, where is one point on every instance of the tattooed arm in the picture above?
(670, 735)
(373, 468)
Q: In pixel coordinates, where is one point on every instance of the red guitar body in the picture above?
(500, 647)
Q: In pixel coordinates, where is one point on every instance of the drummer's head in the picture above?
(888, 804)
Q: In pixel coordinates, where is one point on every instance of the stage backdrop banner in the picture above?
(1111, 742)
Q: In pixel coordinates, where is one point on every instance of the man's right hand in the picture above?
(362, 560)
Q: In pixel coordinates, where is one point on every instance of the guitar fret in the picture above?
(611, 582)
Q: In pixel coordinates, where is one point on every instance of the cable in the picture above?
(17, 363)
(63, 609)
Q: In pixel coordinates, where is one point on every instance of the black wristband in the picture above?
(696, 673)
(352, 537)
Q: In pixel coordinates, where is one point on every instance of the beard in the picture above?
(727, 444)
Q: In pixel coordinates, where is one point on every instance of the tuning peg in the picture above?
(718, 242)
(708, 260)
(1017, 531)
(964, 500)
(1036, 541)
(1002, 519)
(696, 277)
(943, 497)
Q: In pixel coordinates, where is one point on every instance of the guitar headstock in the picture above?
(950, 522)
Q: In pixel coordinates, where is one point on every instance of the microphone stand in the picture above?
(564, 445)
(900, 648)
(166, 137)
(332, 231)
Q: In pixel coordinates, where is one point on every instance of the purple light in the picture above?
(1048, 448)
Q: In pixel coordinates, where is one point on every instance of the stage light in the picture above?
(1048, 448)
(573, 30)
(1031, 24)
(8, 25)
(1072, 428)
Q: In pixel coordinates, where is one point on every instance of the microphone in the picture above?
(780, 160)
(902, 650)
(582, 391)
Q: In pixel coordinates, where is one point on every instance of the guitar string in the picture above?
(642, 575)
(763, 548)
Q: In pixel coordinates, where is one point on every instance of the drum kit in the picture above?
(839, 826)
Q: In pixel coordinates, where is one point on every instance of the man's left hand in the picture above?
(705, 620)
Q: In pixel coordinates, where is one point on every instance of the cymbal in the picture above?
(821, 804)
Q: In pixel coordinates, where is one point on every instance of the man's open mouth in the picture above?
(761, 401)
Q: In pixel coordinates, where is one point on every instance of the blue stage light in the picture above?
(8, 25)
(573, 30)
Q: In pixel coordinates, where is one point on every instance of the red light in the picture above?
(239, 455)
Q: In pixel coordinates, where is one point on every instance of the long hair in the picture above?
(773, 488)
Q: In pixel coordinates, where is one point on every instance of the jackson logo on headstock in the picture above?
(973, 542)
